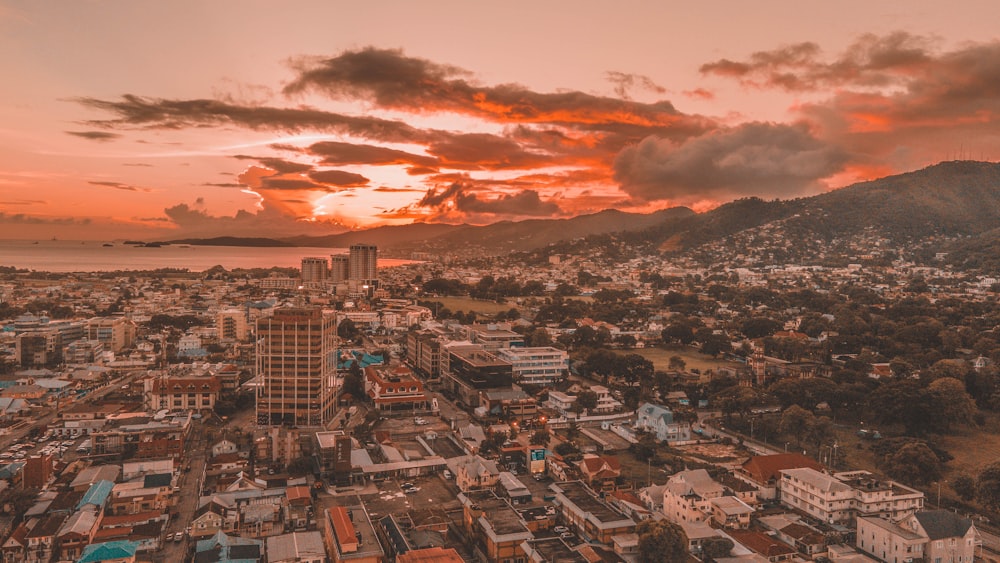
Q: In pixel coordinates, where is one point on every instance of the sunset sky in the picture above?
(158, 120)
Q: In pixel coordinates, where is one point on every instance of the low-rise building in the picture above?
(588, 514)
(842, 497)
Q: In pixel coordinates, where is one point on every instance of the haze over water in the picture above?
(92, 256)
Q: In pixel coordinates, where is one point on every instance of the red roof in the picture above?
(430, 555)
(761, 543)
(298, 494)
(343, 528)
(187, 385)
(764, 468)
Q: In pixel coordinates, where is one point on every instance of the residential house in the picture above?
(40, 540)
(222, 548)
(600, 472)
(687, 496)
(659, 421)
(938, 536)
(122, 551)
(77, 532)
(764, 471)
(476, 472)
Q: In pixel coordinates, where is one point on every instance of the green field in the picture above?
(466, 304)
(660, 356)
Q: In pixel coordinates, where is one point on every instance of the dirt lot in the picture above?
(716, 453)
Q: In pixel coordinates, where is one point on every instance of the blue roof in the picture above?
(11, 469)
(97, 552)
(96, 495)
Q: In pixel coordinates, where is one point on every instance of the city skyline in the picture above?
(205, 124)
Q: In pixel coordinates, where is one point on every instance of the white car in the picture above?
(560, 529)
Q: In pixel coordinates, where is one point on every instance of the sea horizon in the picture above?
(67, 256)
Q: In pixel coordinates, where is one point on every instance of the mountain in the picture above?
(951, 198)
(499, 237)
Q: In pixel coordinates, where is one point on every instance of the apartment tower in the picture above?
(363, 262)
(296, 360)
(314, 269)
(340, 270)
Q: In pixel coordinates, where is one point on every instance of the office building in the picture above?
(296, 361)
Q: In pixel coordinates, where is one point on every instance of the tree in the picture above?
(635, 369)
(796, 422)
(540, 437)
(914, 463)
(965, 486)
(716, 547)
(988, 486)
(300, 466)
(661, 541)
(676, 363)
(585, 399)
(354, 382)
(957, 406)
(347, 330)
(759, 327)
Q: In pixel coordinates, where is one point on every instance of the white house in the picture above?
(660, 422)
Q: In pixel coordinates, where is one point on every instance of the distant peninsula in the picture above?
(233, 241)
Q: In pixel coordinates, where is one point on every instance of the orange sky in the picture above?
(135, 120)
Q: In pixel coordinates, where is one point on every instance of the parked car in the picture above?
(560, 529)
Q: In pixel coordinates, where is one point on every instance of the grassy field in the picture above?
(466, 304)
(660, 357)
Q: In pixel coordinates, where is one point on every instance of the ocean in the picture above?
(94, 256)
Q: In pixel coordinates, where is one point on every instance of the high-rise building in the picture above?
(314, 269)
(364, 262)
(296, 361)
(340, 267)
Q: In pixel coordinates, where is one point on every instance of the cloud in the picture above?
(118, 186)
(478, 151)
(626, 82)
(156, 113)
(870, 61)
(22, 219)
(278, 164)
(336, 153)
(271, 221)
(340, 178)
(102, 136)
(223, 185)
(391, 80)
(459, 202)
(762, 159)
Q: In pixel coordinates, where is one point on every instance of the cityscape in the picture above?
(540, 282)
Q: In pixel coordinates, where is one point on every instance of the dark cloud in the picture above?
(118, 186)
(870, 61)
(277, 164)
(460, 202)
(391, 80)
(388, 189)
(24, 202)
(421, 170)
(154, 113)
(102, 136)
(278, 183)
(752, 159)
(22, 219)
(223, 185)
(138, 164)
(524, 203)
(270, 220)
(482, 151)
(335, 153)
(339, 178)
